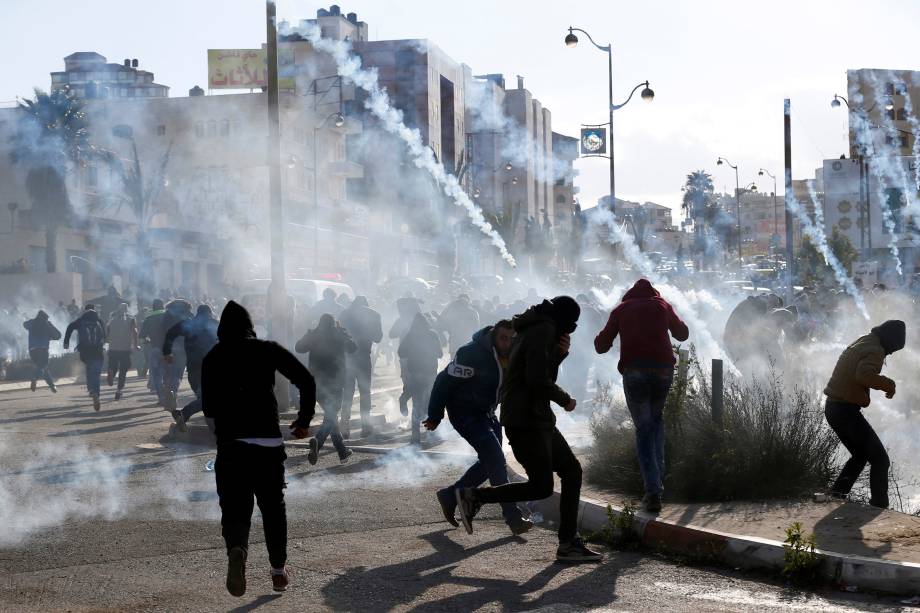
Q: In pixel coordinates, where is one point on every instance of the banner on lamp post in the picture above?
(594, 140)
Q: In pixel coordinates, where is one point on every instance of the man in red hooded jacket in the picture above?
(643, 320)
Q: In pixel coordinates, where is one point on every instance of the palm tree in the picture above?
(698, 196)
(52, 138)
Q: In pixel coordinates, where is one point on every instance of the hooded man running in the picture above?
(542, 342)
(238, 387)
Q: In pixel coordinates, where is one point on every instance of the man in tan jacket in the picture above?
(857, 371)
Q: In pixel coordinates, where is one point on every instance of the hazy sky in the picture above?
(720, 68)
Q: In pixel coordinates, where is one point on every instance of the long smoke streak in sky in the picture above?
(391, 119)
(817, 236)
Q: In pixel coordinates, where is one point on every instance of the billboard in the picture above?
(247, 68)
(594, 141)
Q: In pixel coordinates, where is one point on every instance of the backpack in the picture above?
(92, 337)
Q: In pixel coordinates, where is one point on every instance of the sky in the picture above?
(720, 69)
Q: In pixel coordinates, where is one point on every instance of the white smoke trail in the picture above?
(391, 119)
(817, 236)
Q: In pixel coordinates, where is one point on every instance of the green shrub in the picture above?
(620, 530)
(772, 443)
(59, 366)
(799, 556)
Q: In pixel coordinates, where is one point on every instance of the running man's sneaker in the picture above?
(96, 404)
(343, 457)
(118, 395)
(280, 579)
(32, 387)
(53, 388)
(180, 420)
(110, 378)
(651, 503)
(313, 454)
(520, 526)
(468, 505)
(575, 551)
(448, 501)
(236, 571)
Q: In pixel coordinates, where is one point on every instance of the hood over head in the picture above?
(41, 314)
(537, 314)
(235, 323)
(483, 337)
(90, 315)
(642, 289)
(157, 304)
(360, 301)
(565, 313)
(329, 293)
(420, 322)
(892, 335)
(326, 322)
(204, 310)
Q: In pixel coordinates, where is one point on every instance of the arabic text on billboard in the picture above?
(245, 68)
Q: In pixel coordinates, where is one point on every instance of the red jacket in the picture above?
(642, 320)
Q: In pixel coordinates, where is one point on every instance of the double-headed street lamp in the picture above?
(338, 120)
(719, 162)
(571, 40)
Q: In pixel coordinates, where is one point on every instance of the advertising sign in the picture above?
(247, 68)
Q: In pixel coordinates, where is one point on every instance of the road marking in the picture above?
(758, 600)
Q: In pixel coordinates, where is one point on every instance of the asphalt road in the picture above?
(114, 511)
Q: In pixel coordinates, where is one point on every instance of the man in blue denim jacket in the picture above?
(468, 388)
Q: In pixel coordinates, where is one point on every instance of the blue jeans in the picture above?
(646, 392)
(156, 366)
(484, 434)
(93, 374)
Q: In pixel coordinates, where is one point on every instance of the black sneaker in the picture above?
(118, 395)
(280, 580)
(343, 457)
(575, 551)
(651, 503)
(236, 571)
(96, 404)
(313, 454)
(468, 505)
(53, 388)
(520, 526)
(34, 384)
(180, 420)
(448, 501)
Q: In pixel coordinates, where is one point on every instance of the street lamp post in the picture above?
(719, 162)
(865, 211)
(647, 94)
(775, 240)
(338, 120)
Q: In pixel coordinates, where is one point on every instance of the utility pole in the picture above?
(787, 133)
(277, 297)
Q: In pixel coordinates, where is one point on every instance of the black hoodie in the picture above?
(90, 336)
(238, 381)
(892, 334)
(530, 381)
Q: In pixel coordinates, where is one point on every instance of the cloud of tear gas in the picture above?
(54, 483)
(391, 119)
(817, 236)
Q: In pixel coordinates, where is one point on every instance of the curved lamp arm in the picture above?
(601, 47)
(729, 164)
(635, 89)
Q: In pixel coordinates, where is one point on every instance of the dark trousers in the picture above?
(329, 397)
(358, 373)
(244, 471)
(855, 433)
(541, 453)
(119, 363)
(484, 434)
(39, 357)
(194, 380)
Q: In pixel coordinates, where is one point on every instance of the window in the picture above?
(900, 141)
(901, 115)
(199, 129)
(212, 128)
(889, 89)
(893, 202)
(889, 113)
(225, 128)
(161, 130)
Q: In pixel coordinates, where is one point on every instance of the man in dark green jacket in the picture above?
(542, 342)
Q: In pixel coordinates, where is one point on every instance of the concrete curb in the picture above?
(747, 552)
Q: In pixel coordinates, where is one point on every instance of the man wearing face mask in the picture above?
(542, 342)
(858, 370)
(468, 388)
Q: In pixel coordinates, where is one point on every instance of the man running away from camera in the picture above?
(468, 388)
(643, 321)
(237, 389)
(541, 343)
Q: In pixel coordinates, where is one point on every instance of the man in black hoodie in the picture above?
(542, 342)
(90, 346)
(363, 323)
(420, 351)
(237, 386)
